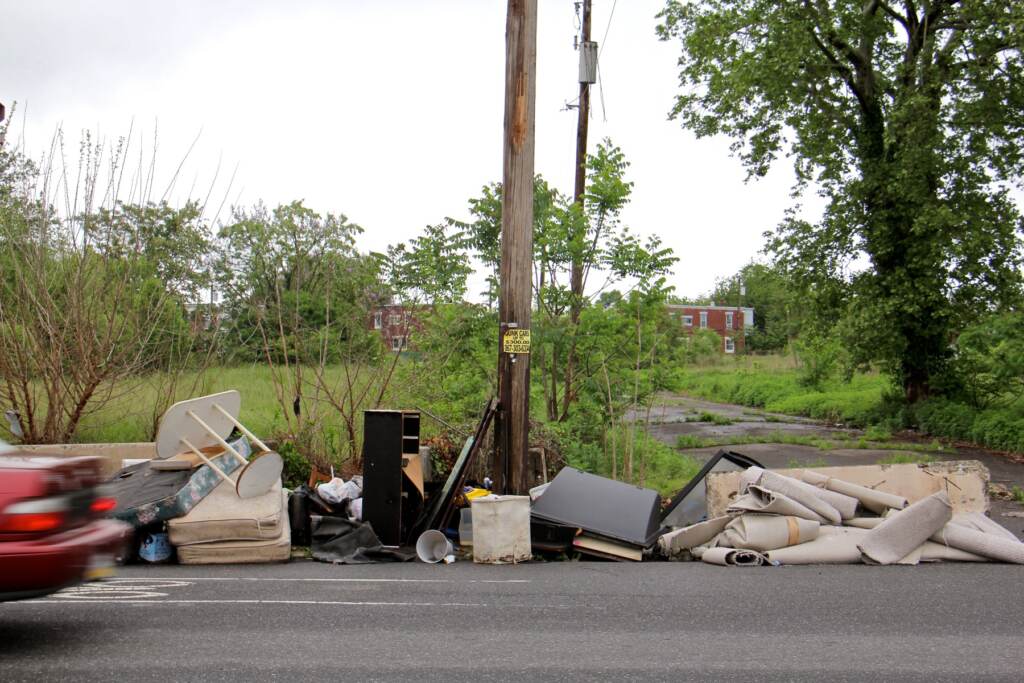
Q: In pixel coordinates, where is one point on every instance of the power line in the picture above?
(607, 28)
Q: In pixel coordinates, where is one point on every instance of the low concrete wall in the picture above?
(113, 453)
(966, 482)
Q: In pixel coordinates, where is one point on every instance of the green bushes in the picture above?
(1001, 428)
(863, 401)
(857, 402)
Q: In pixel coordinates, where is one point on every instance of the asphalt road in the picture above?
(566, 621)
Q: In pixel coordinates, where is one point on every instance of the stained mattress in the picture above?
(146, 495)
(223, 516)
(243, 552)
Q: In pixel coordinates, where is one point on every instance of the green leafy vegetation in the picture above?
(907, 121)
(905, 459)
(687, 441)
(712, 418)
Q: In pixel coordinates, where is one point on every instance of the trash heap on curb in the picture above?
(774, 519)
(214, 501)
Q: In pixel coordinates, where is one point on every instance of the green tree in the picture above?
(776, 299)
(909, 117)
(433, 268)
(175, 240)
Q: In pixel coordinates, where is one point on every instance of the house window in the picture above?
(730, 345)
(687, 321)
(394, 320)
(397, 343)
(728, 320)
(378, 321)
(703, 320)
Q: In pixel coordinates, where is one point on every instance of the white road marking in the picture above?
(255, 578)
(121, 589)
(347, 603)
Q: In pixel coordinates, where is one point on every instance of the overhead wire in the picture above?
(600, 51)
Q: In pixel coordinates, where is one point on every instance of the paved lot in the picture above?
(578, 621)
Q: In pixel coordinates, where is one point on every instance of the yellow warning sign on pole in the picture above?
(516, 340)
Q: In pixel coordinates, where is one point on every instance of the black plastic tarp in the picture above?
(342, 541)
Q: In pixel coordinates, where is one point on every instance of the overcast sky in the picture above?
(387, 112)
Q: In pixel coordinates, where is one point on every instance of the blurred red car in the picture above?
(52, 528)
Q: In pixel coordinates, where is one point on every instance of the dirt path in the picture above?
(676, 416)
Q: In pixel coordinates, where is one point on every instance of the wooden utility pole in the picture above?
(587, 50)
(512, 433)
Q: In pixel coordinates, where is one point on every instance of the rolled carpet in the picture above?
(675, 542)
(936, 552)
(760, 499)
(767, 532)
(980, 522)
(980, 543)
(876, 501)
(733, 557)
(864, 522)
(809, 496)
(834, 545)
(900, 534)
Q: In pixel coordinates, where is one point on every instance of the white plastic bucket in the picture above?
(433, 546)
(501, 529)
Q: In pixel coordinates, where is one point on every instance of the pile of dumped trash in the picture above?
(206, 500)
(818, 519)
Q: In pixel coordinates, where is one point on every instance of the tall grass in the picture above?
(130, 417)
(776, 388)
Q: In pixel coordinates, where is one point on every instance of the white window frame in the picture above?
(398, 343)
(687, 321)
(730, 345)
(728, 320)
(378, 320)
(703, 320)
(394, 319)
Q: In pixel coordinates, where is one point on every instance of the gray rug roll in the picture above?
(900, 534)
(937, 552)
(864, 522)
(733, 557)
(809, 496)
(834, 545)
(978, 521)
(980, 543)
(760, 499)
(675, 542)
(766, 532)
(876, 501)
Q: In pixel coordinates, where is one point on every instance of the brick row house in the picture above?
(397, 324)
(729, 322)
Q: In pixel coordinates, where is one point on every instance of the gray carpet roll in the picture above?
(675, 542)
(900, 534)
(980, 543)
(864, 522)
(760, 499)
(937, 552)
(733, 557)
(809, 496)
(980, 522)
(876, 501)
(766, 532)
(834, 545)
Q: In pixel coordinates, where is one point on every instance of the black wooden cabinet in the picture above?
(388, 437)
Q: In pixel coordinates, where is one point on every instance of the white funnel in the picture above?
(433, 546)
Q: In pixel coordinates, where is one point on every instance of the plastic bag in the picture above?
(338, 490)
